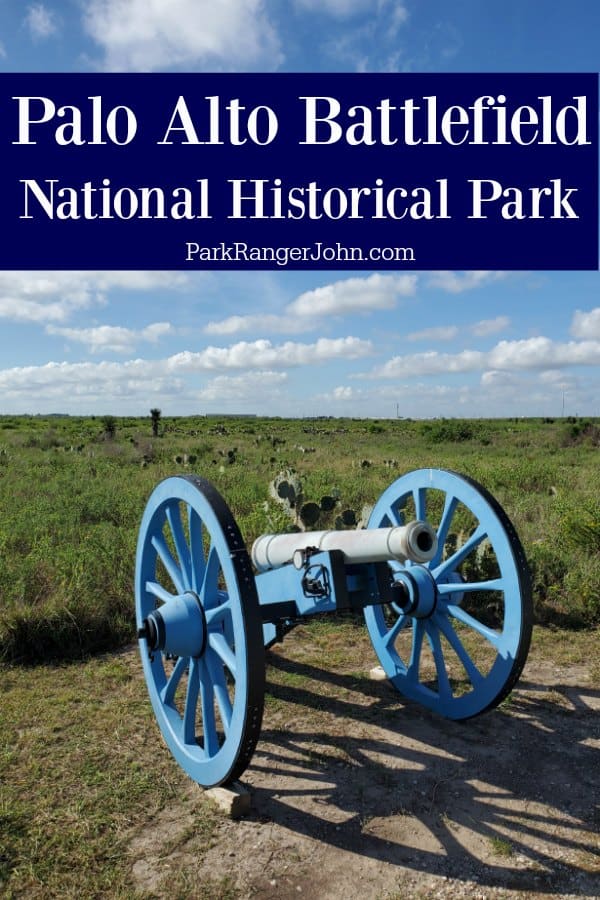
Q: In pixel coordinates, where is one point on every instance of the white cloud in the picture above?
(112, 338)
(252, 387)
(154, 332)
(54, 296)
(363, 295)
(531, 353)
(532, 393)
(489, 326)
(354, 295)
(398, 15)
(457, 282)
(21, 309)
(586, 324)
(350, 295)
(267, 322)
(45, 296)
(40, 21)
(543, 353)
(371, 38)
(136, 281)
(341, 9)
(261, 353)
(343, 392)
(391, 13)
(439, 333)
(88, 388)
(430, 363)
(67, 380)
(108, 379)
(387, 400)
(558, 379)
(498, 393)
(447, 332)
(138, 35)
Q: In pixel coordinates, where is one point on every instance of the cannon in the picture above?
(439, 574)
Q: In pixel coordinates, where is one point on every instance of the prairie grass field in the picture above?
(72, 494)
(92, 804)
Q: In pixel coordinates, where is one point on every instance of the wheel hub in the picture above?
(415, 592)
(178, 628)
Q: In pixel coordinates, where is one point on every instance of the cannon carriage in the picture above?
(439, 571)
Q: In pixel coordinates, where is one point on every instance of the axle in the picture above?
(416, 541)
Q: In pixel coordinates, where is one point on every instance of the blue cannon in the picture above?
(439, 573)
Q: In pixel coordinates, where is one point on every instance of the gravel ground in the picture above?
(357, 793)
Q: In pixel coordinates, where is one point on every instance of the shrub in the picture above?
(455, 430)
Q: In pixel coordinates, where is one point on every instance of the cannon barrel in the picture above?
(416, 541)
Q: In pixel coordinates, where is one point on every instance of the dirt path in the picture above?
(359, 794)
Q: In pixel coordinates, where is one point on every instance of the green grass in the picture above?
(79, 765)
(72, 500)
(501, 847)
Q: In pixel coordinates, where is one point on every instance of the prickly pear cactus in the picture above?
(286, 489)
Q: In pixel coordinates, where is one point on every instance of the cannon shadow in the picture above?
(509, 799)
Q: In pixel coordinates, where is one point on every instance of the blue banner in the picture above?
(314, 171)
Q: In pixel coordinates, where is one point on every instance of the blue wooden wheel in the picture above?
(457, 639)
(199, 629)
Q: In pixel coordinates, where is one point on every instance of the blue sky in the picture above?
(300, 343)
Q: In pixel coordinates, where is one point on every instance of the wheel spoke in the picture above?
(168, 692)
(217, 675)
(420, 500)
(459, 587)
(209, 594)
(489, 634)
(158, 591)
(223, 650)
(394, 515)
(412, 672)
(160, 545)
(183, 551)
(445, 626)
(454, 561)
(444, 688)
(450, 505)
(216, 615)
(191, 703)
(209, 727)
(400, 623)
(197, 560)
